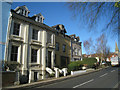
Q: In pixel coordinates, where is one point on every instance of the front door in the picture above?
(35, 76)
(49, 59)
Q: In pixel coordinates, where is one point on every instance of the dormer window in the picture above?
(38, 18)
(25, 13)
(41, 19)
(60, 28)
(23, 10)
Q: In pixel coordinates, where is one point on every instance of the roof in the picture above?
(30, 20)
(60, 27)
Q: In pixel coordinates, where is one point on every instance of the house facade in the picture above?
(37, 46)
(63, 47)
(31, 43)
(76, 49)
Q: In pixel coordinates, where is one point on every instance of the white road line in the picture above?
(103, 74)
(112, 70)
(83, 83)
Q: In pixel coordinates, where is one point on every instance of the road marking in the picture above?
(112, 70)
(83, 83)
(103, 74)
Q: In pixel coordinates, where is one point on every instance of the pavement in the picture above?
(51, 80)
(104, 79)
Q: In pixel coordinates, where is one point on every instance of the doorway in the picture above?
(49, 59)
(35, 76)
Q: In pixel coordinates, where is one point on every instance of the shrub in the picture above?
(89, 61)
(52, 75)
(75, 65)
(12, 65)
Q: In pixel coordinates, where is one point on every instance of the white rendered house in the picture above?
(30, 42)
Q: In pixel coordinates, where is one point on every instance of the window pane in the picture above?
(57, 46)
(25, 12)
(35, 34)
(33, 55)
(49, 36)
(16, 29)
(14, 53)
(63, 48)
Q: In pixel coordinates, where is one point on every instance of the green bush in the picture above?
(52, 75)
(89, 61)
(12, 65)
(75, 65)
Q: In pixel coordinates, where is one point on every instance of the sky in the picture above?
(59, 13)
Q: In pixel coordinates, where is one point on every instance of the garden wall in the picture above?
(8, 78)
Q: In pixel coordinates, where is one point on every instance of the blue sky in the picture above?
(59, 13)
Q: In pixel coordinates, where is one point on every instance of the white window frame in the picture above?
(39, 54)
(37, 34)
(19, 28)
(19, 51)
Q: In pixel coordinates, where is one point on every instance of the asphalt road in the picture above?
(106, 78)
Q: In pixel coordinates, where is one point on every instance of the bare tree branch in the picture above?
(91, 12)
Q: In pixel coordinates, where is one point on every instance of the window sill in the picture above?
(50, 45)
(36, 42)
(15, 37)
(34, 64)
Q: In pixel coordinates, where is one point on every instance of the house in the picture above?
(63, 49)
(76, 50)
(111, 55)
(92, 56)
(31, 43)
(38, 47)
(84, 55)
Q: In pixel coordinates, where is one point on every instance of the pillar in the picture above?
(43, 62)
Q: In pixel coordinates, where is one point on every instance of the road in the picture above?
(106, 78)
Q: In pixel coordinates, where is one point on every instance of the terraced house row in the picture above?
(37, 46)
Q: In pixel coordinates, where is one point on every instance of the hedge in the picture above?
(89, 61)
(76, 65)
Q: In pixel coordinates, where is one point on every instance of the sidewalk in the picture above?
(52, 80)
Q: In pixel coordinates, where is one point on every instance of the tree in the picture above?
(102, 50)
(88, 45)
(91, 12)
(100, 47)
